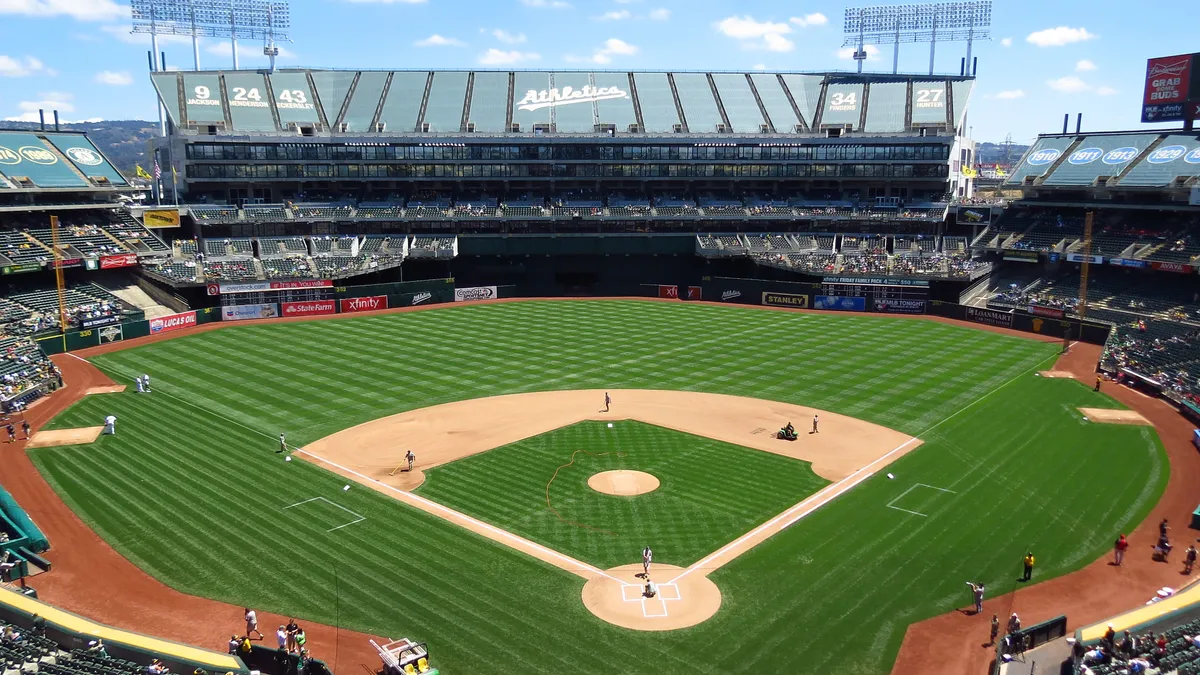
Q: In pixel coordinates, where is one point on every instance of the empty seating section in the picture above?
(434, 244)
(707, 241)
(730, 243)
(21, 249)
(188, 246)
(215, 214)
(345, 245)
(379, 211)
(523, 211)
(136, 235)
(285, 245)
(290, 267)
(725, 210)
(321, 211)
(265, 212)
(629, 211)
(182, 271)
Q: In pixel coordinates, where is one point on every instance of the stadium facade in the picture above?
(241, 137)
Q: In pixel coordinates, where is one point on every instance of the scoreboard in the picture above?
(875, 288)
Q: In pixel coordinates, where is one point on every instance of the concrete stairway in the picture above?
(135, 296)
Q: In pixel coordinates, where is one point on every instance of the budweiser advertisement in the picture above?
(367, 304)
(1171, 85)
(109, 262)
(308, 308)
(172, 322)
(261, 286)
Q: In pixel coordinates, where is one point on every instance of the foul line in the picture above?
(910, 489)
(356, 515)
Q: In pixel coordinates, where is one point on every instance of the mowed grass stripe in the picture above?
(833, 593)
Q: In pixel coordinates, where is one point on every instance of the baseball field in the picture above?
(997, 460)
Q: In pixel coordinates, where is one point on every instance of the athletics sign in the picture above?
(553, 98)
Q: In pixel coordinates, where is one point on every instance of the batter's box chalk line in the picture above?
(910, 489)
(358, 516)
(656, 607)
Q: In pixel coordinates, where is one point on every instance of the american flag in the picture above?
(157, 170)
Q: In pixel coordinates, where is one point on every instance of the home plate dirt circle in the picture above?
(684, 601)
(623, 483)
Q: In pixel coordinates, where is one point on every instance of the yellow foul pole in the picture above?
(58, 278)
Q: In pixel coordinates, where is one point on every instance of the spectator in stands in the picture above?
(1094, 656)
(39, 625)
(157, 667)
(1014, 623)
(1110, 636)
(97, 647)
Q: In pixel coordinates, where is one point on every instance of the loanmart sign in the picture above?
(552, 98)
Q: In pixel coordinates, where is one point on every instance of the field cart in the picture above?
(404, 657)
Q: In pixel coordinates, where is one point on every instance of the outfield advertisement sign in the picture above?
(265, 310)
(695, 293)
(309, 308)
(1172, 88)
(899, 306)
(990, 317)
(98, 321)
(21, 269)
(1021, 256)
(1052, 312)
(109, 262)
(1079, 257)
(1173, 267)
(1127, 262)
(262, 286)
(173, 322)
(839, 303)
(474, 293)
(726, 296)
(785, 300)
(369, 303)
(668, 292)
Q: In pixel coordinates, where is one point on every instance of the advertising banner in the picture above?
(66, 262)
(990, 317)
(1128, 262)
(1078, 257)
(109, 262)
(726, 296)
(417, 298)
(967, 216)
(266, 310)
(1021, 256)
(838, 303)
(161, 218)
(21, 269)
(367, 304)
(172, 322)
(899, 306)
(474, 293)
(695, 293)
(309, 308)
(782, 300)
(1168, 81)
(99, 321)
(668, 291)
(1173, 267)
(876, 281)
(261, 286)
(1052, 312)
(111, 333)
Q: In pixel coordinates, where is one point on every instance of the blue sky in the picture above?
(1046, 58)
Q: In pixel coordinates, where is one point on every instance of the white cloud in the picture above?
(83, 10)
(617, 15)
(1010, 94)
(546, 4)
(1006, 42)
(1068, 85)
(1106, 91)
(436, 40)
(22, 67)
(386, 2)
(1083, 66)
(50, 100)
(507, 37)
(1057, 37)
(660, 14)
(847, 53)
(123, 33)
(759, 66)
(814, 19)
(604, 53)
(114, 78)
(753, 34)
(499, 57)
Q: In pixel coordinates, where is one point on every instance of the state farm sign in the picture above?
(309, 308)
(166, 324)
(367, 304)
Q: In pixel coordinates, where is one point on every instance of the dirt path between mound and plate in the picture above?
(92, 579)
(952, 644)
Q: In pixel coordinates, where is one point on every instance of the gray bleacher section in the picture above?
(774, 100)
(806, 91)
(885, 109)
(961, 89)
(360, 111)
(403, 103)
(24, 154)
(488, 106)
(1177, 155)
(447, 96)
(658, 105)
(928, 102)
(249, 101)
(332, 88)
(699, 106)
(576, 117)
(738, 101)
(167, 86)
(616, 111)
(1043, 157)
(1098, 156)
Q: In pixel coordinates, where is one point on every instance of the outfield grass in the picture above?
(710, 492)
(194, 462)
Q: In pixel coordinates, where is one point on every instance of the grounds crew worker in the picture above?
(1028, 560)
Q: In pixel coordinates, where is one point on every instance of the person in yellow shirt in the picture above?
(1028, 560)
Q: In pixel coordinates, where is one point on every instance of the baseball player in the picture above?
(650, 590)
(140, 386)
(25, 428)
(815, 425)
(12, 433)
(146, 382)
(110, 425)
(647, 558)
(411, 458)
(282, 444)
(977, 591)
(607, 401)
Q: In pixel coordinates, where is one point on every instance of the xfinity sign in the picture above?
(552, 98)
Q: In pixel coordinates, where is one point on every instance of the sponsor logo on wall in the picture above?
(990, 317)
(839, 303)
(730, 295)
(166, 324)
(555, 97)
(260, 286)
(695, 292)
(900, 306)
(1173, 267)
(99, 321)
(418, 298)
(364, 304)
(109, 262)
(668, 292)
(1052, 312)
(785, 300)
(266, 310)
(474, 293)
(309, 308)
(112, 333)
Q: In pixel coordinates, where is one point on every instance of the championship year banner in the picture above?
(474, 293)
(266, 310)
(785, 300)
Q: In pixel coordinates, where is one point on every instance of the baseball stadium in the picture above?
(621, 371)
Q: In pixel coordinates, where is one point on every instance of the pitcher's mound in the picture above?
(106, 389)
(681, 602)
(1106, 416)
(623, 483)
(53, 437)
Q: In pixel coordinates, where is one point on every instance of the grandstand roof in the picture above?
(452, 102)
(1134, 159)
(37, 161)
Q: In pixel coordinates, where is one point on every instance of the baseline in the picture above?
(891, 504)
(359, 516)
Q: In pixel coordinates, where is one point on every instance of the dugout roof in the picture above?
(453, 102)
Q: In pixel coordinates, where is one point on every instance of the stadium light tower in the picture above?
(933, 22)
(268, 20)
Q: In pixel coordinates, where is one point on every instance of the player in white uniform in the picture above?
(647, 558)
(141, 387)
(411, 457)
(815, 425)
(282, 445)
(110, 424)
(146, 382)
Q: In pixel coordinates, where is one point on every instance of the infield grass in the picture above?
(194, 462)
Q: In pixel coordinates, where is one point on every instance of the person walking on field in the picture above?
(977, 591)
(1119, 550)
(411, 457)
(607, 402)
(25, 428)
(1189, 559)
(1028, 560)
(282, 444)
(1098, 380)
(252, 624)
(647, 558)
(995, 631)
(815, 425)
